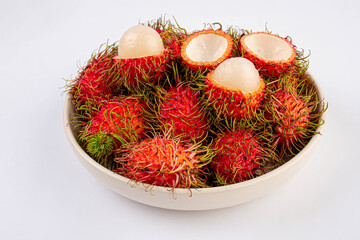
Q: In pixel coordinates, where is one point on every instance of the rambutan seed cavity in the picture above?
(271, 54)
(206, 49)
(269, 47)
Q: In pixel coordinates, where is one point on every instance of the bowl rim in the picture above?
(154, 188)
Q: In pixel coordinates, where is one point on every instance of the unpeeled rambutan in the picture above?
(271, 54)
(123, 118)
(100, 146)
(172, 38)
(91, 86)
(172, 43)
(290, 79)
(182, 112)
(163, 161)
(206, 49)
(234, 88)
(237, 156)
(290, 114)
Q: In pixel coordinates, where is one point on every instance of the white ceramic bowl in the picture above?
(193, 199)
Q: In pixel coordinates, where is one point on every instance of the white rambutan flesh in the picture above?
(269, 47)
(140, 41)
(237, 74)
(206, 47)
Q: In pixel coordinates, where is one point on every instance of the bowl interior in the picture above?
(201, 199)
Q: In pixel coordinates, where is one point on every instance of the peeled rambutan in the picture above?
(206, 49)
(163, 161)
(290, 114)
(141, 57)
(234, 88)
(271, 54)
(122, 118)
(182, 112)
(237, 156)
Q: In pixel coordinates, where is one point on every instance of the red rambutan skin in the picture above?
(233, 103)
(172, 42)
(121, 116)
(91, 86)
(290, 114)
(203, 65)
(175, 47)
(181, 111)
(290, 79)
(237, 156)
(267, 67)
(162, 162)
(148, 69)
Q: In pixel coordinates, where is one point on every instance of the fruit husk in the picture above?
(294, 106)
(237, 157)
(92, 85)
(119, 121)
(164, 161)
(265, 66)
(232, 102)
(136, 73)
(206, 65)
(172, 35)
(100, 146)
(181, 110)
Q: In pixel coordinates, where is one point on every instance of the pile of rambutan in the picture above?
(212, 107)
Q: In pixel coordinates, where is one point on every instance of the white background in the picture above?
(46, 194)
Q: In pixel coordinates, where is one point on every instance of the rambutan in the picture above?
(141, 58)
(122, 118)
(271, 54)
(237, 156)
(91, 86)
(290, 114)
(172, 42)
(100, 146)
(234, 88)
(214, 120)
(290, 80)
(171, 35)
(206, 49)
(163, 161)
(181, 111)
